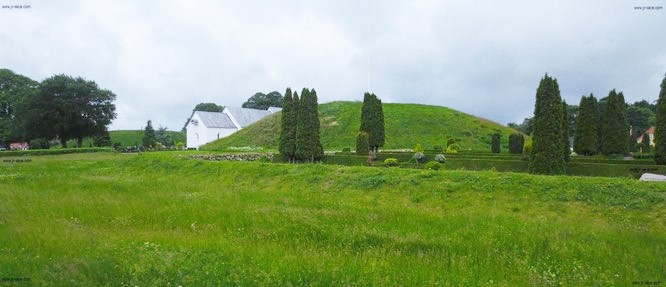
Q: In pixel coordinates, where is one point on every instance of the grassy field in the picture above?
(161, 219)
(135, 137)
(406, 125)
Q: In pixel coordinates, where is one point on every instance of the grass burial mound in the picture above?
(405, 124)
(162, 219)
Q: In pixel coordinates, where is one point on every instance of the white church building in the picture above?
(205, 127)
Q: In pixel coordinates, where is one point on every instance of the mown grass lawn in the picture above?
(165, 220)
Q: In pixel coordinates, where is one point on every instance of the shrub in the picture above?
(362, 147)
(419, 157)
(418, 148)
(516, 143)
(453, 149)
(440, 158)
(433, 165)
(391, 162)
(528, 147)
(39, 144)
(180, 145)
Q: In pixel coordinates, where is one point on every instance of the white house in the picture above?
(205, 127)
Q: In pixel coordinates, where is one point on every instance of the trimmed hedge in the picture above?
(37, 152)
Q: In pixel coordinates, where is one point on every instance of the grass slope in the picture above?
(405, 124)
(165, 220)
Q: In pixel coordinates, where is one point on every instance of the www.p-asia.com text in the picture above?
(17, 7)
(649, 8)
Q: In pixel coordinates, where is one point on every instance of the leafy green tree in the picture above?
(546, 156)
(162, 136)
(586, 133)
(614, 126)
(288, 132)
(14, 90)
(566, 121)
(68, 108)
(660, 128)
(372, 121)
(526, 127)
(516, 143)
(495, 142)
(149, 138)
(262, 101)
(362, 145)
(102, 138)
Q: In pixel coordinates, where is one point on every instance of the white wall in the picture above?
(198, 134)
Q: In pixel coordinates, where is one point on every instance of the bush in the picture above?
(516, 143)
(418, 148)
(391, 162)
(440, 158)
(362, 147)
(528, 147)
(433, 165)
(419, 157)
(39, 144)
(453, 148)
(180, 145)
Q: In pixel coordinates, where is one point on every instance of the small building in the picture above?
(205, 127)
(650, 133)
(19, 146)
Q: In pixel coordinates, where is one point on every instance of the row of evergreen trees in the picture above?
(299, 137)
(600, 128)
(372, 125)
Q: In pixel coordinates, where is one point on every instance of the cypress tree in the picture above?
(660, 128)
(615, 127)
(586, 134)
(149, 135)
(316, 148)
(495, 143)
(516, 143)
(301, 152)
(565, 132)
(546, 156)
(288, 131)
(372, 121)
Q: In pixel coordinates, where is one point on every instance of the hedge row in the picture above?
(36, 152)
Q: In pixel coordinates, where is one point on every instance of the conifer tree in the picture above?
(565, 132)
(660, 129)
(317, 149)
(615, 127)
(586, 134)
(495, 143)
(288, 131)
(546, 156)
(372, 121)
(149, 135)
(301, 152)
(516, 143)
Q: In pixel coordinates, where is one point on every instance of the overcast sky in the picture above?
(485, 58)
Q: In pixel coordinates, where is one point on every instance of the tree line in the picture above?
(601, 127)
(299, 136)
(60, 108)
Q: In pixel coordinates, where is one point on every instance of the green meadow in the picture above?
(162, 219)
